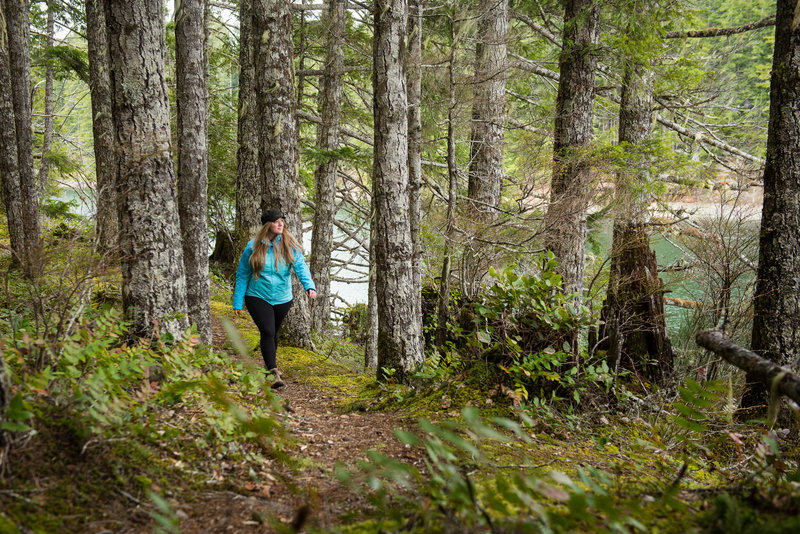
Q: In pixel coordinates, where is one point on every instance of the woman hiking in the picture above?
(264, 283)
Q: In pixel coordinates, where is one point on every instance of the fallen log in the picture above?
(778, 379)
(682, 303)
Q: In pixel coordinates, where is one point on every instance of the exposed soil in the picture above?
(310, 495)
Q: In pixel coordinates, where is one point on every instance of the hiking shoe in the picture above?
(277, 379)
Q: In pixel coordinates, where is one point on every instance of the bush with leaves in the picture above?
(459, 489)
(524, 324)
(113, 387)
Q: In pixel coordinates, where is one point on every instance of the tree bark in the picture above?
(399, 336)
(325, 173)
(768, 374)
(488, 109)
(193, 159)
(776, 321)
(443, 305)
(414, 89)
(722, 32)
(9, 161)
(634, 322)
(107, 229)
(371, 346)
(5, 398)
(153, 280)
(47, 138)
(17, 26)
(565, 220)
(248, 178)
(274, 74)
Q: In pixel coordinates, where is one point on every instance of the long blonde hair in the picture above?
(283, 252)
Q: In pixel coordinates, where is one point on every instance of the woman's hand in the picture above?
(312, 294)
(237, 312)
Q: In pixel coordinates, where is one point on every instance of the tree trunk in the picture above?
(488, 109)
(635, 322)
(301, 64)
(47, 139)
(9, 161)
(17, 26)
(193, 159)
(325, 173)
(776, 320)
(414, 83)
(107, 230)
(274, 74)
(565, 221)
(371, 346)
(443, 306)
(248, 178)
(633, 314)
(5, 398)
(399, 336)
(153, 280)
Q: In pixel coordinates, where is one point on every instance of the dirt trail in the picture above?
(324, 438)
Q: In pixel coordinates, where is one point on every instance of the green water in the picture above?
(679, 284)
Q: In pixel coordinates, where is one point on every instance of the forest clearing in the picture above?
(392, 266)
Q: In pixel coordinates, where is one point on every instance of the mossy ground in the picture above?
(67, 478)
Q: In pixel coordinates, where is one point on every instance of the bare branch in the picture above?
(722, 32)
(531, 66)
(320, 72)
(701, 138)
(535, 26)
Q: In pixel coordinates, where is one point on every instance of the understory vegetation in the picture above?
(504, 429)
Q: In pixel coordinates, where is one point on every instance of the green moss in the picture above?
(368, 527)
(6, 526)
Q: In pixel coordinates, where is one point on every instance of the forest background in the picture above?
(541, 204)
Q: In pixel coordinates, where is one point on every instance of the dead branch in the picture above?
(775, 377)
(701, 138)
(722, 32)
(531, 66)
(682, 303)
(538, 28)
(526, 64)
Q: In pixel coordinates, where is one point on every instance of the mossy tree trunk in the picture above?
(153, 279)
(107, 225)
(277, 134)
(414, 91)
(330, 99)
(192, 142)
(248, 178)
(776, 306)
(23, 199)
(488, 108)
(399, 338)
(49, 82)
(634, 323)
(565, 220)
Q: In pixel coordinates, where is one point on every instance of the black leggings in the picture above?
(268, 319)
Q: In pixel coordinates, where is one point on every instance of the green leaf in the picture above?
(407, 437)
(12, 426)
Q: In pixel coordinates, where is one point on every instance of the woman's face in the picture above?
(276, 227)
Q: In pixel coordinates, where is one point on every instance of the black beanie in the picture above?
(271, 216)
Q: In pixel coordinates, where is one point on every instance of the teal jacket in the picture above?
(273, 285)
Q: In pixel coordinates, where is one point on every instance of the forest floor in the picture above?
(65, 479)
(62, 474)
(325, 435)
